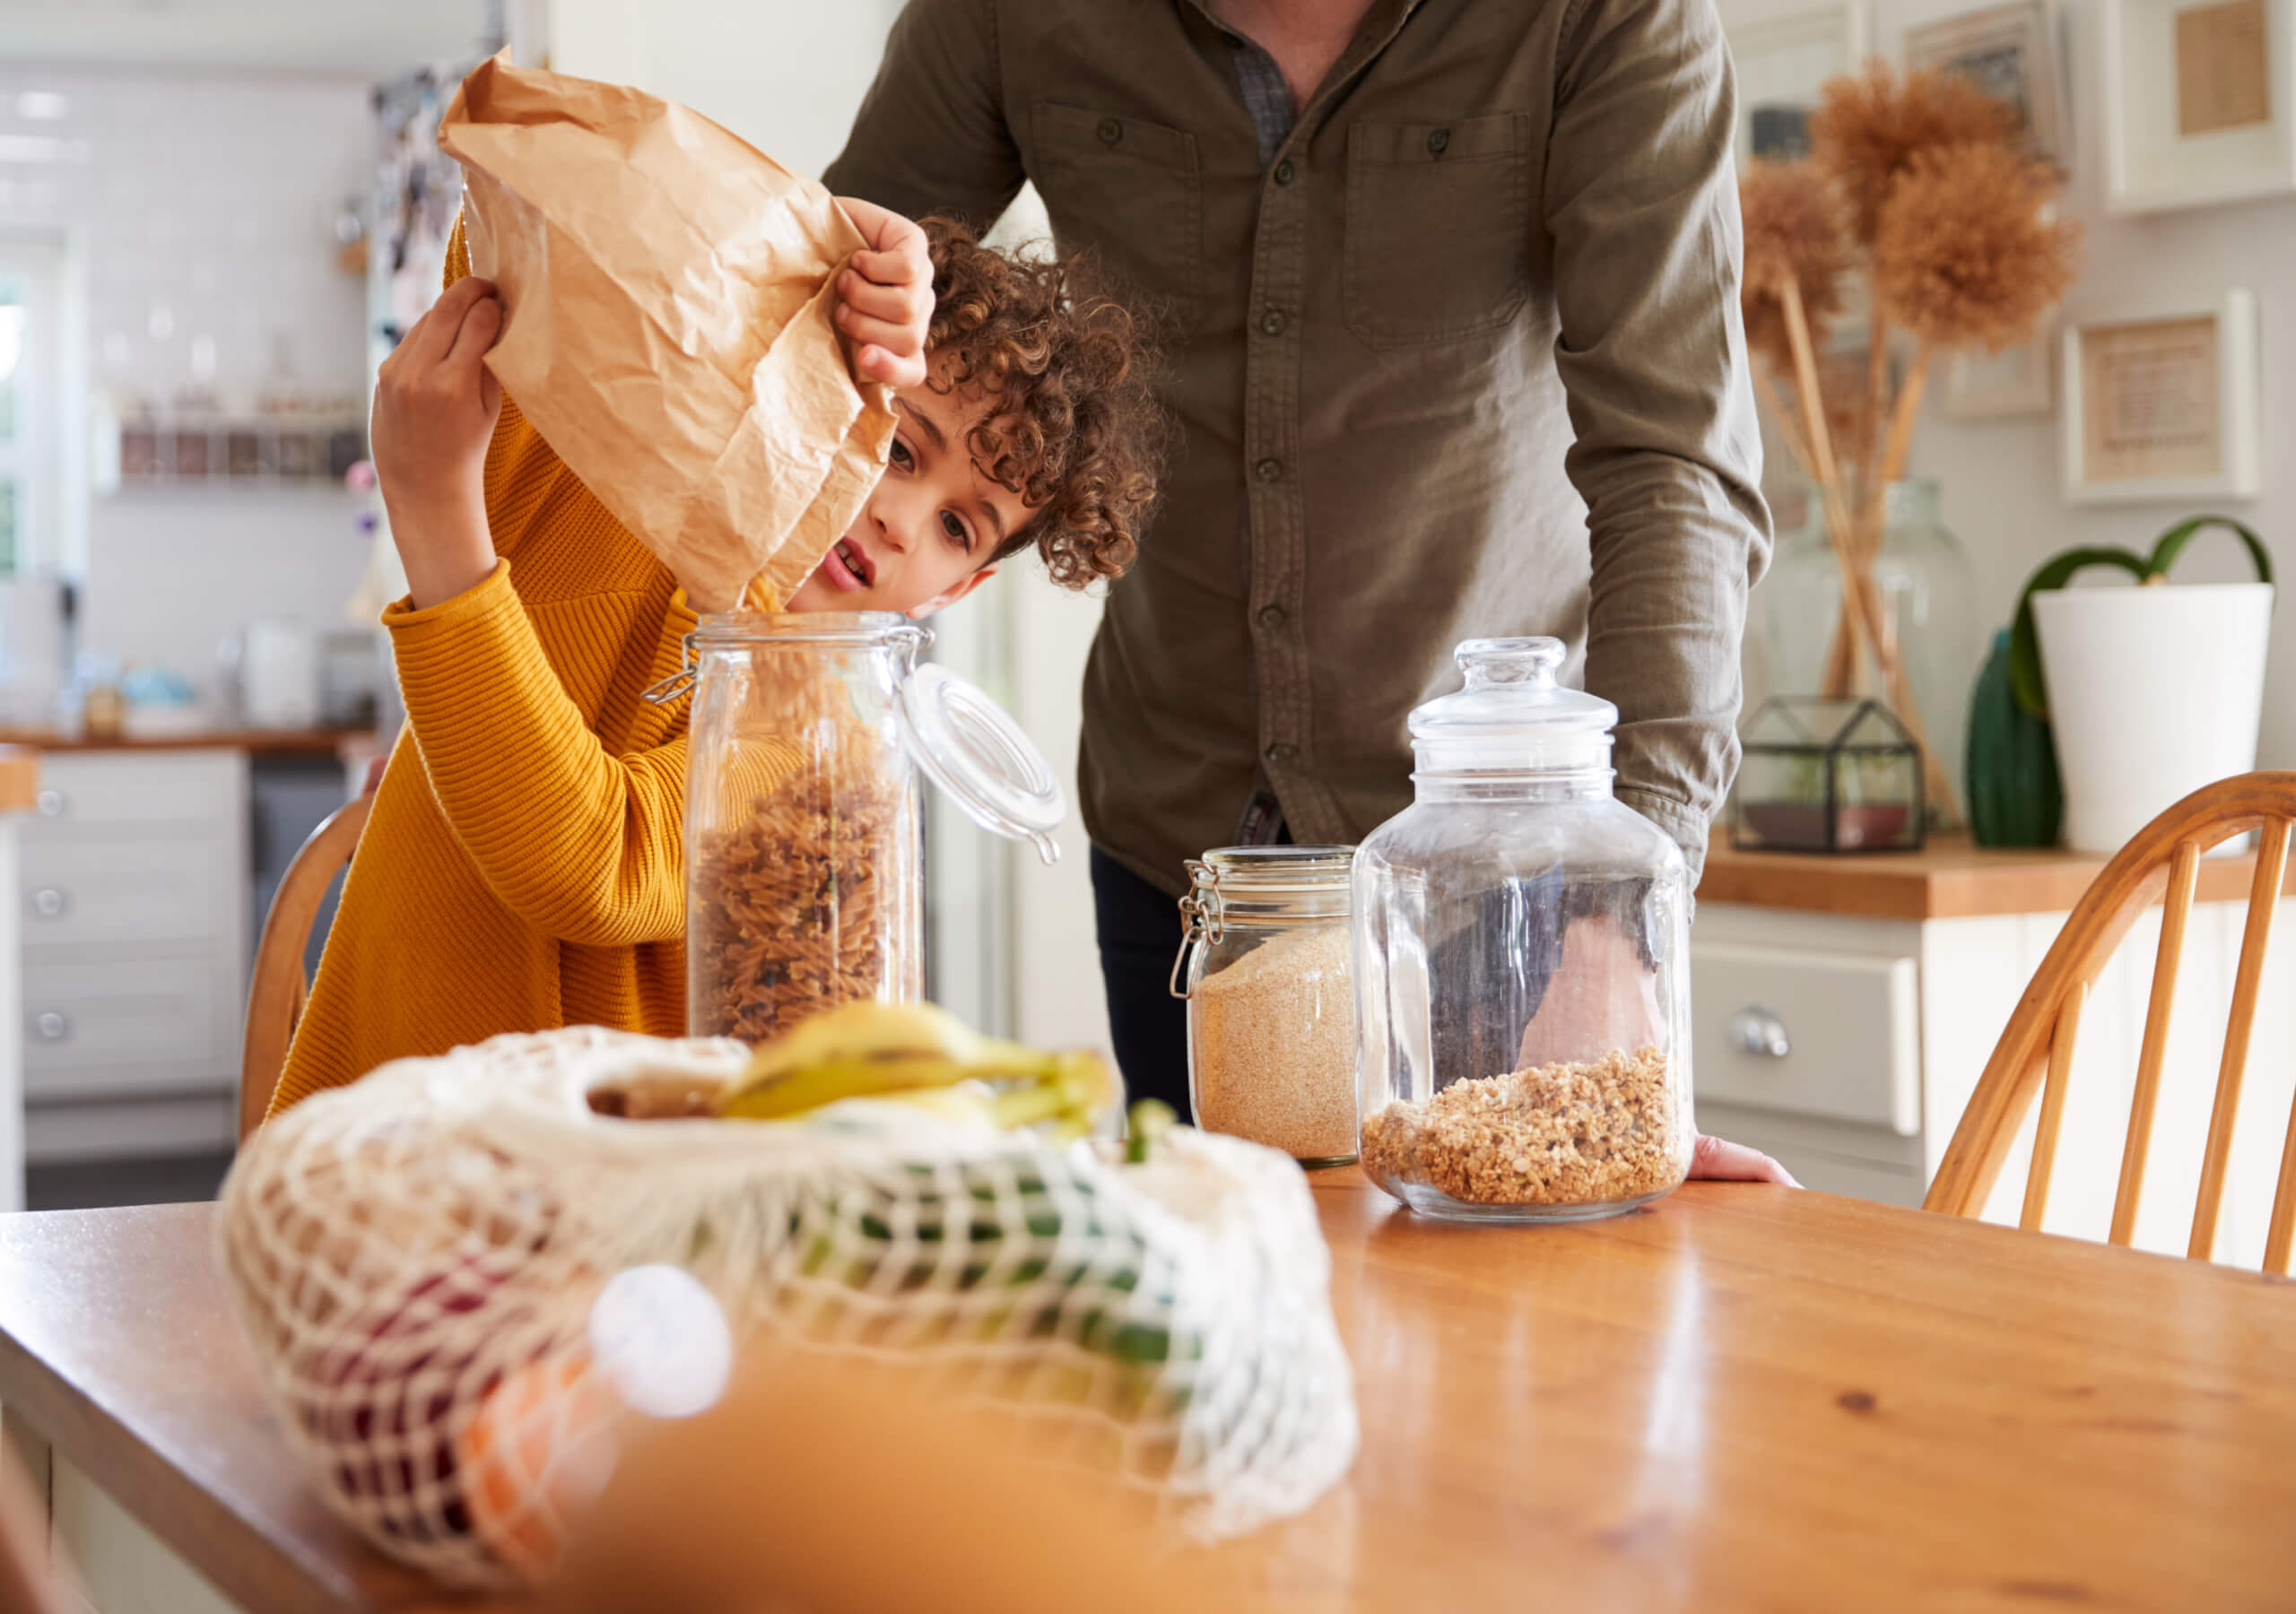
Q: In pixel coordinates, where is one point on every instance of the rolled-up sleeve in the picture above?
(1641, 203)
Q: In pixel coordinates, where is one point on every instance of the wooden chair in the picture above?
(2162, 862)
(275, 998)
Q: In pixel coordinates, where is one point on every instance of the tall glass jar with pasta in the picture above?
(803, 827)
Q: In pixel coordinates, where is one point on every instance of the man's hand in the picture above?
(435, 408)
(884, 297)
(1600, 997)
(1716, 1160)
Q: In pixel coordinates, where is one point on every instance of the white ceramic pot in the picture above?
(2153, 692)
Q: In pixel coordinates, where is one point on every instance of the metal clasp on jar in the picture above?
(680, 682)
(1204, 918)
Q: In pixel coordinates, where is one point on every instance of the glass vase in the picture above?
(1927, 594)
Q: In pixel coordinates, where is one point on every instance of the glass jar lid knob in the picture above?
(1514, 715)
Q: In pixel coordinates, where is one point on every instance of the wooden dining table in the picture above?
(1742, 1397)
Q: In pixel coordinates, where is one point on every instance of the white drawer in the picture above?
(90, 888)
(157, 1024)
(156, 790)
(130, 1129)
(1851, 1032)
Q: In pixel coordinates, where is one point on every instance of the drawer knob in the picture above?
(53, 1026)
(50, 901)
(51, 803)
(1759, 1031)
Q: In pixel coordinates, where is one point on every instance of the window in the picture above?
(32, 417)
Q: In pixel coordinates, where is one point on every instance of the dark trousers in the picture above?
(1139, 931)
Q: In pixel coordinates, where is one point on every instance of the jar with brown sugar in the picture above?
(1265, 968)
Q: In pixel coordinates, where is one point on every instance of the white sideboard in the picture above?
(1847, 1043)
(132, 906)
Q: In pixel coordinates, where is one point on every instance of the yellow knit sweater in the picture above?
(523, 865)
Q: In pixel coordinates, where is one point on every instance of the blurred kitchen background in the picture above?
(215, 215)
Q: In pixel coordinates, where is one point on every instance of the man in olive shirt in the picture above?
(1456, 352)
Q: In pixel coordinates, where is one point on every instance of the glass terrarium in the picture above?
(1822, 775)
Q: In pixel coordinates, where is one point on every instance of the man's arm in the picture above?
(931, 136)
(1641, 202)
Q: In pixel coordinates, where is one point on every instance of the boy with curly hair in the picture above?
(522, 867)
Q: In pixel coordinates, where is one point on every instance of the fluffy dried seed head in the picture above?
(1793, 232)
(1871, 126)
(1966, 255)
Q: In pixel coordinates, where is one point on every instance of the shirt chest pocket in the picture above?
(1130, 190)
(1437, 231)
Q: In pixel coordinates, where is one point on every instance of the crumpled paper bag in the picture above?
(667, 290)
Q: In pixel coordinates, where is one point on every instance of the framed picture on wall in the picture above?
(2199, 101)
(2162, 406)
(2013, 53)
(1785, 50)
(2020, 380)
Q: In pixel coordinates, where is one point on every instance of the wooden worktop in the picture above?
(1744, 1397)
(19, 779)
(1947, 879)
(303, 742)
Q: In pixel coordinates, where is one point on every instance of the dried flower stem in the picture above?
(1805, 381)
(1859, 592)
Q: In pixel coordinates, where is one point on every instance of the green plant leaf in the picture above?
(2024, 644)
(2172, 543)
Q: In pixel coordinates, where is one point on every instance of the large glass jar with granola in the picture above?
(804, 824)
(1521, 975)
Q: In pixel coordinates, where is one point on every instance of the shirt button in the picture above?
(1271, 323)
(1271, 616)
(1268, 470)
(1111, 130)
(1283, 171)
(1437, 139)
(1282, 752)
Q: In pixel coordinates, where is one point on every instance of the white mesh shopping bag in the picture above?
(418, 1258)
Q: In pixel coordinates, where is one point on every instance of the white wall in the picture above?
(200, 205)
(786, 75)
(2000, 478)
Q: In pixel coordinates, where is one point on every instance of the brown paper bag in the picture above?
(667, 290)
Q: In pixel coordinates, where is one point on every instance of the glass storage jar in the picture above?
(805, 872)
(1263, 964)
(1521, 982)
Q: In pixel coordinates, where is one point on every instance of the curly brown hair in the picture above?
(1075, 430)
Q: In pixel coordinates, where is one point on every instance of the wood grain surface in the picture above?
(1948, 878)
(1743, 1397)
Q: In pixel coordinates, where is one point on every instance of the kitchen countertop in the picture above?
(305, 741)
(1743, 1397)
(19, 779)
(1948, 878)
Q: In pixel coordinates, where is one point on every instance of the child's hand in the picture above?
(435, 407)
(884, 299)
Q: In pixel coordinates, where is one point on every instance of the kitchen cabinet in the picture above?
(133, 880)
(1843, 1009)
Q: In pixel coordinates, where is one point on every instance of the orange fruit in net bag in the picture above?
(538, 1445)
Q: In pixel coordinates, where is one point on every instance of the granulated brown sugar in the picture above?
(1274, 1047)
(1556, 1134)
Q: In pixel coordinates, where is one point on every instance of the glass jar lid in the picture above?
(1512, 717)
(971, 748)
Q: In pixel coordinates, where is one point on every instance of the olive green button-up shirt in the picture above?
(1461, 357)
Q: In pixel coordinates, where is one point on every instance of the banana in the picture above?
(867, 1030)
(911, 1051)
